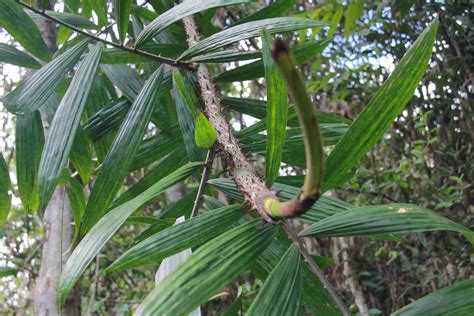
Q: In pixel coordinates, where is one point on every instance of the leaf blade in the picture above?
(65, 123)
(5, 185)
(177, 13)
(388, 102)
(120, 155)
(277, 111)
(123, 8)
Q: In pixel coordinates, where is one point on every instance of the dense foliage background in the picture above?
(426, 158)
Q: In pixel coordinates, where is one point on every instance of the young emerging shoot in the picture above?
(312, 138)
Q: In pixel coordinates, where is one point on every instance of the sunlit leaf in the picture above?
(5, 186)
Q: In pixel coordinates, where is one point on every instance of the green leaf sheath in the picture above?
(207, 270)
(246, 31)
(35, 91)
(384, 219)
(385, 106)
(178, 12)
(122, 14)
(176, 238)
(29, 146)
(277, 111)
(19, 25)
(5, 186)
(280, 294)
(114, 168)
(454, 300)
(106, 227)
(65, 123)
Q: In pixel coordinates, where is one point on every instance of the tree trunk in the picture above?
(57, 239)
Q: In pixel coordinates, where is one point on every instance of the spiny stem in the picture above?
(314, 268)
(161, 59)
(202, 184)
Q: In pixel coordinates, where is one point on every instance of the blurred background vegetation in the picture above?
(426, 158)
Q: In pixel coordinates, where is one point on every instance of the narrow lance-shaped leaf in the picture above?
(29, 145)
(11, 55)
(5, 185)
(65, 122)
(384, 107)
(190, 233)
(75, 194)
(121, 153)
(81, 156)
(37, 89)
(207, 270)
(457, 299)
(277, 111)
(384, 219)
(280, 295)
(98, 236)
(177, 13)
(68, 18)
(246, 31)
(19, 25)
(122, 13)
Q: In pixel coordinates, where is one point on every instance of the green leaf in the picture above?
(313, 295)
(169, 164)
(384, 219)
(126, 79)
(37, 89)
(335, 20)
(354, 12)
(29, 145)
(276, 9)
(77, 199)
(122, 15)
(186, 100)
(6, 272)
(65, 123)
(114, 168)
(106, 227)
(5, 185)
(277, 111)
(454, 300)
(19, 25)
(177, 13)
(154, 148)
(71, 19)
(235, 307)
(100, 8)
(280, 295)
(174, 239)
(225, 56)
(254, 70)
(81, 155)
(246, 31)
(11, 55)
(384, 107)
(107, 120)
(207, 270)
(204, 133)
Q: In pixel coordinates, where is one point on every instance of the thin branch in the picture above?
(314, 268)
(202, 185)
(135, 51)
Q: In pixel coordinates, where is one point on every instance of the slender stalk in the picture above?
(314, 268)
(202, 184)
(135, 51)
